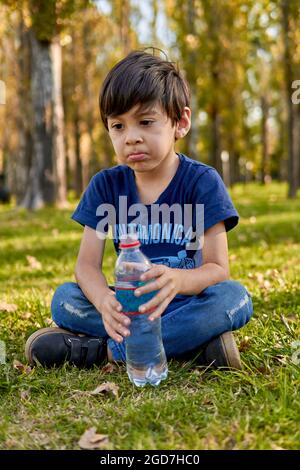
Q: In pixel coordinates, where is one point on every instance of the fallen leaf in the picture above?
(252, 220)
(55, 232)
(276, 447)
(25, 395)
(109, 368)
(90, 440)
(22, 368)
(33, 262)
(26, 315)
(264, 369)
(280, 358)
(9, 443)
(244, 344)
(207, 401)
(107, 387)
(4, 307)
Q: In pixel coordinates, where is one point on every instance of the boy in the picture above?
(144, 105)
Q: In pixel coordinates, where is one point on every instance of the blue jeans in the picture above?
(187, 323)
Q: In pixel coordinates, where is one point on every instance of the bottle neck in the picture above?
(130, 250)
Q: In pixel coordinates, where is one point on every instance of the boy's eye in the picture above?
(146, 121)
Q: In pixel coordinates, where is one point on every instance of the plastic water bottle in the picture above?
(145, 355)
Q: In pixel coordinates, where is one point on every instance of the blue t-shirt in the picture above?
(170, 237)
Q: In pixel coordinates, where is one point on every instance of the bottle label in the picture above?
(130, 303)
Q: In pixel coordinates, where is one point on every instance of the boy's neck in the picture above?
(159, 175)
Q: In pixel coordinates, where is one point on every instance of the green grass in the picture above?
(257, 408)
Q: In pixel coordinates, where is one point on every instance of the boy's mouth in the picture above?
(136, 157)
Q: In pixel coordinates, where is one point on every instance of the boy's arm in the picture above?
(215, 266)
(88, 272)
(92, 282)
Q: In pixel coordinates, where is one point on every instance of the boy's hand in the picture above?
(168, 281)
(115, 323)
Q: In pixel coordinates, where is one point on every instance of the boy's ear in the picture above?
(184, 124)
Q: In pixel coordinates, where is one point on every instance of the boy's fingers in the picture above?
(157, 313)
(155, 271)
(116, 305)
(159, 298)
(115, 336)
(120, 318)
(151, 286)
(119, 328)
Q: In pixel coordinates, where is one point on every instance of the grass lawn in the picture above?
(257, 408)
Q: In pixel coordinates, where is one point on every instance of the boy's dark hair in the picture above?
(143, 78)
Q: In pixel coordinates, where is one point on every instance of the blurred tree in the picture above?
(290, 10)
(211, 39)
(44, 22)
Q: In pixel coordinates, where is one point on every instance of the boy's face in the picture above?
(149, 134)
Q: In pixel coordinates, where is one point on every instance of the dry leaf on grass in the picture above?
(90, 440)
(26, 315)
(281, 358)
(33, 262)
(22, 368)
(276, 447)
(109, 368)
(25, 395)
(244, 344)
(4, 307)
(107, 387)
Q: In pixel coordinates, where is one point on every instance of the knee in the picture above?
(241, 309)
(236, 302)
(65, 293)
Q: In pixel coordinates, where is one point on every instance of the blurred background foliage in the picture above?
(241, 58)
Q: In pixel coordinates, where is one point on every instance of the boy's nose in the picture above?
(133, 138)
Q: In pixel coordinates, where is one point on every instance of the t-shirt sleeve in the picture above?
(94, 196)
(218, 207)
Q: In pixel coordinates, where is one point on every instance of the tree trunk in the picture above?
(58, 125)
(78, 164)
(215, 157)
(296, 110)
(192, 137)
(47, 174)
(41, 187)
(235, 175)
(125, 25)
(89, 100)
(264, 140)
(153, 24)
(24, 120)
(214, 22)
(78, 185)
(297, 155)
(288, 69)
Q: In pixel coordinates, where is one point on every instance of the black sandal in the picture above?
(53, 346)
